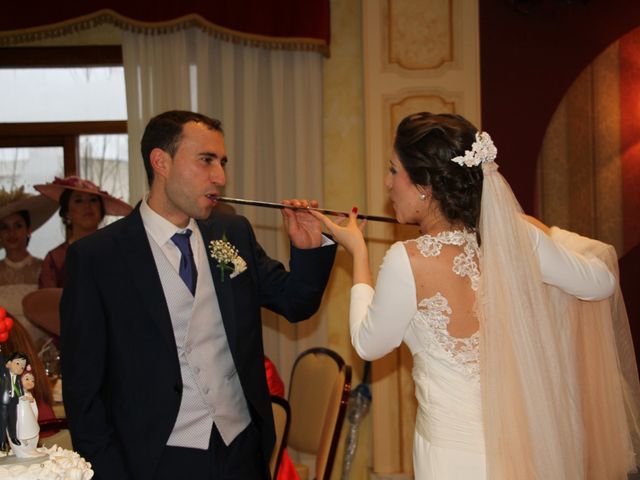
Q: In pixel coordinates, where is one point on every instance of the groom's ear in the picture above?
(160, 162)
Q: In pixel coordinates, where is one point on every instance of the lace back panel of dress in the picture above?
(433, 315)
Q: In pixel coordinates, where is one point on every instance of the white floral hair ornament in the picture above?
(482, 151)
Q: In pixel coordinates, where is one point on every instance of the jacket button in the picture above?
(177, 388)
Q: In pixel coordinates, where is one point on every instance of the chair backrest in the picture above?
(318, 396)
(282, 420)
(42, 307)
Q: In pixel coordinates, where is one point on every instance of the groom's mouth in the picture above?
(213, 199)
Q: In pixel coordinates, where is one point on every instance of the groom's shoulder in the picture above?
(109, 235)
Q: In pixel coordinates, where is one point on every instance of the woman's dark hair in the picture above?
(27, 221)
(65, 197)
(25, 216)
(425, 144)
(17, 356)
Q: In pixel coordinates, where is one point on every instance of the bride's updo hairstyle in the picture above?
(425, 144)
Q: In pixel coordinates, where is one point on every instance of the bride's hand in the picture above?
(348, 233)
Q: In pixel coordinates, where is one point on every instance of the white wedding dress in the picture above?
(449, 437)
(27, 428)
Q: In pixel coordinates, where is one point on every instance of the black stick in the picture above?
(279, 206)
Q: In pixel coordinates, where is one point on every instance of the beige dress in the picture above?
(17, 279)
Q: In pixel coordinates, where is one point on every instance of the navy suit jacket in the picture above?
(122, 384)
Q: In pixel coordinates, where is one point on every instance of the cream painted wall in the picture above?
(344, 187)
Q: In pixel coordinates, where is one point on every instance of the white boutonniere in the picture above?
(228, 258)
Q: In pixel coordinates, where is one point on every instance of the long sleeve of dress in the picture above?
(379, 322)
(52, 273)
(585, 277)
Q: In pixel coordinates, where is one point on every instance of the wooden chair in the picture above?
(282, 421)
(318, 396)
(53, 424)
(42, 306)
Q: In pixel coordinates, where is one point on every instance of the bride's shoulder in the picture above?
(396, 250)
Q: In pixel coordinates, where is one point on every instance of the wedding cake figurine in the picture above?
(27, 428)
(10, 386)
(19, 426)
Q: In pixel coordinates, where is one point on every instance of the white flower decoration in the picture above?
(228, 258)
(482, 151)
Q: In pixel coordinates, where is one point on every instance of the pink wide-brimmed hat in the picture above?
(112, 205)
(40, 208)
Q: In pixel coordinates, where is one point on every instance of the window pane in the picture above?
(30, 166)
(62, 94)
(104, 159)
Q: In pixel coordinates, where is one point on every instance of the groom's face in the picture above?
(16, 366)
(195, 173)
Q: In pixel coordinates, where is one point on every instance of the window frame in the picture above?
(59, 134)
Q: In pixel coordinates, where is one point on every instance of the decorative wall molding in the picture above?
(396, 107)
(418, 38)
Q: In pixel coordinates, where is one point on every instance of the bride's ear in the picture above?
(424, 192)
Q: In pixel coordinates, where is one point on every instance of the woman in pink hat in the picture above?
(82, 207)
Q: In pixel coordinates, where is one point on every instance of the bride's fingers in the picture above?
(353, 216)
(324, 219)
(343, 221)
(363, 223)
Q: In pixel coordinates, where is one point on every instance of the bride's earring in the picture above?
(423, 197)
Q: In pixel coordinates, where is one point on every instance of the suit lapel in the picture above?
(214, 230)
(144, 274)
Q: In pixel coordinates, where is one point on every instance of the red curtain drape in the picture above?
(528, 62)
(276, 23)
(630, 135)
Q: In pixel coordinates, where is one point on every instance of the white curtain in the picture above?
(270, 104)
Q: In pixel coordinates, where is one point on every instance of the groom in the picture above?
(162, 353)
(10, 392)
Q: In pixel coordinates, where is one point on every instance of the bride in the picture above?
(27, 428)
(495, 378)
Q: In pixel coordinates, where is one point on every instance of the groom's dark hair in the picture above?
(18, 356)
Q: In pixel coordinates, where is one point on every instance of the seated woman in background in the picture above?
(82, 207)
(20, 215)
